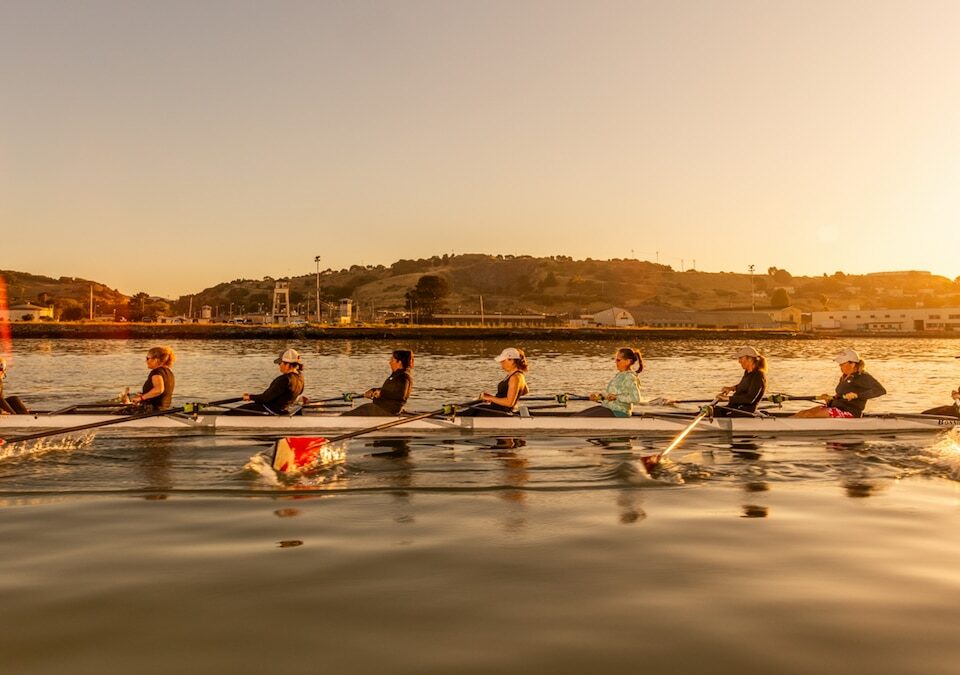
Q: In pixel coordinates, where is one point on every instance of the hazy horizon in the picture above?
(169, 147)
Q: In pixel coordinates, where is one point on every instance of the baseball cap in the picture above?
(745, 351)
(289, 356)
(848, 354)
(508, 353)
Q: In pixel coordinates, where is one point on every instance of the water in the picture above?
(125, 552)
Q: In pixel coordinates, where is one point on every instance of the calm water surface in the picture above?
(125, 552)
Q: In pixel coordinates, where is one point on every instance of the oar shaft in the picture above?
(92, 425)
(398, 422)
(683, 434)
(118, 420)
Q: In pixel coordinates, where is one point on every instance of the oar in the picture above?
(780, 398)
(560, 399)
(296, 452)
(347, 397)
(651, 462)
(188, 408)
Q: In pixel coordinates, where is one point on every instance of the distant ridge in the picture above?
(527, 284)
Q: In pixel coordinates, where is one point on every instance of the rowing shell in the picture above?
(542, 424)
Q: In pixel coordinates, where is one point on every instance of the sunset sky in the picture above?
(168, 146)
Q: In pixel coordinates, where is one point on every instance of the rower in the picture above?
(157, 391)
(281, 393)
(952, 410)
(855, 388)
(11, 405)
(390, 398)
(743, 397)
(514, 385)
(622, 392)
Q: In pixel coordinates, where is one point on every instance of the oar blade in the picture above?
(296, 453)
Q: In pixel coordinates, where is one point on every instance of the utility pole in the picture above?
(753, 297)
(316, 259)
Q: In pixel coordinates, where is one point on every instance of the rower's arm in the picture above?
(513, 393)
(277, 389)
(155, 391)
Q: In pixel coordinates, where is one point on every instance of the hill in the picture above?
(562, 285)
(517, 284)
(65, 293)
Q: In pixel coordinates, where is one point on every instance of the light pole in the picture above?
(753, 301)
(316, 259)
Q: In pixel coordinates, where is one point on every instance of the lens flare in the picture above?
(6, 346)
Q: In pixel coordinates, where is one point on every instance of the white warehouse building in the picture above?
(889, 320)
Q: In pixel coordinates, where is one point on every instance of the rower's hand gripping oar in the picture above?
(296, 452)
(187, 408)
(653, 461)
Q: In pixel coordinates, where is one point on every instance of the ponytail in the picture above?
(633, 356)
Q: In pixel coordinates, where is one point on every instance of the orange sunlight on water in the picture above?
(6, 347)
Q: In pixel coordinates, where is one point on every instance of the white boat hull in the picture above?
(638, 425)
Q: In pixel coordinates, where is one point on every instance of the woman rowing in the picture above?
(622, 392)
(855, 388)
(742, 398)
(952, 410)
(509, 389)
(390, 398)
(157, 390)
(283, 391)
(11, 405)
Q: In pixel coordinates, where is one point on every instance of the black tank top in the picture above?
(503, 388)
(165, 399)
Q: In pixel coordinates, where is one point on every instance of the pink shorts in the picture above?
(836, 412)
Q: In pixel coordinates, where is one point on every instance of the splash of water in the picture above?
(260, 465)
(946, 453)
(43, 446)
(326, 468)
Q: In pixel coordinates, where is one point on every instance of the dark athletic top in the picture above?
(164, 400)
(503, 388)
(395, 391)
(283, 391)
(865, 386)
(749, 391)
(3, 403)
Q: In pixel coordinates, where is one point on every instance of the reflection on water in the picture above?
(448, 545)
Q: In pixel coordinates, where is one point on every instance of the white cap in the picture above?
(848, 354)
(508, 353)
(289, 356)
(745, 351)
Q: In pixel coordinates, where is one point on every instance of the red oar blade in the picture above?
(296, 452)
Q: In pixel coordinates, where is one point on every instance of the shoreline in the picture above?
(134, 331)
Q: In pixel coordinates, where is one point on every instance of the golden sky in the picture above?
(168, 146)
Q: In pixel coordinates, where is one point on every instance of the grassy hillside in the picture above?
(561, 285)
(516, 284)
(62, 293)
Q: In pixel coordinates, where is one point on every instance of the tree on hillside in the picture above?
(74, 313)
(137, 306)
(426, 298)
(782, 277)
(780, 299)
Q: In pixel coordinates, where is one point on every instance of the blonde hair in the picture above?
(164, 355)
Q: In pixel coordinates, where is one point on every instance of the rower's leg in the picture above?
(18, 407)
(819, 411)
